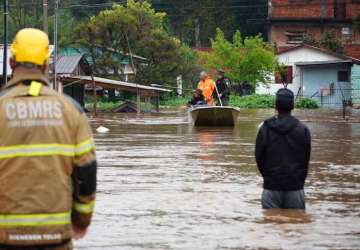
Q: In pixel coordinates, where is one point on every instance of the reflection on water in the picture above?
(164, 184)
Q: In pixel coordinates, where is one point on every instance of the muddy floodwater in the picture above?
(164, 184)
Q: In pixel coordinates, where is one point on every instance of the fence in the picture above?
(335, 98)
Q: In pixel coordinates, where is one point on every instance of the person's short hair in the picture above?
(284, 100)
(203, 74)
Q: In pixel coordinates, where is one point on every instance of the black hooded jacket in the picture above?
(283, 147)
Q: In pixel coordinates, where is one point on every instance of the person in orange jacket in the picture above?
(207, 86)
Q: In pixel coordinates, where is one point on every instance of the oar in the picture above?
(217, 92)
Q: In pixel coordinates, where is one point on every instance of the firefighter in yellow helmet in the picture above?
(47, 156)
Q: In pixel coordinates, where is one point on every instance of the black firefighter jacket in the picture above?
(283, 147)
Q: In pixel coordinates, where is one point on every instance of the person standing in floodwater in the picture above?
(283, 147)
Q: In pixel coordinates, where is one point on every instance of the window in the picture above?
(295, 37)
(343, 76)
(286, 78)
(346, 33)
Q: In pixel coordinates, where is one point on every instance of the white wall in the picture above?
(290, 58)
(9, 71)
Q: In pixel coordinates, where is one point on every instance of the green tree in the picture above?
(82, 10)
(195, 22)
(310, 40)
(135, 29)
(331, 42)
(21, 14)
(248, 59)
(26, 14)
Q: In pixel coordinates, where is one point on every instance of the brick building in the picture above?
(292, 20)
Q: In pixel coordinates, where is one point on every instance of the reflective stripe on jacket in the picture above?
(47, 163)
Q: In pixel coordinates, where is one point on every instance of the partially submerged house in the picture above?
(74, 71)
(70, 66)
(74, 76)
(126, 60)
(148, 93)
(315, 73)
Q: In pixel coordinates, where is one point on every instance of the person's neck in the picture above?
(282, 113)
(21, 68)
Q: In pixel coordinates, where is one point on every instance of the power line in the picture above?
(233, 5)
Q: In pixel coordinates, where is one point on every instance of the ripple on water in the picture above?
(166, 185)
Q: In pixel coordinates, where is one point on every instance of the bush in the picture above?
(253, 101)
(103, 106)
(306, 103)
(175, 101)
(268, 101)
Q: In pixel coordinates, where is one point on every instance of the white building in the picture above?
(310, 69)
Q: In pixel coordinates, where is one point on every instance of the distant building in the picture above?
(316, 73)
(71, 66)
(126, 61)
(292, 20)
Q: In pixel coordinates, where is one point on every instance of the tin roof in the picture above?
(323, 62)
(323, 50)
(114, 84)
(68, 64)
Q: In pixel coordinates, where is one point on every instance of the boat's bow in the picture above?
(214, 116)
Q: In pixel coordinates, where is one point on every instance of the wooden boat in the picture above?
(214, 115)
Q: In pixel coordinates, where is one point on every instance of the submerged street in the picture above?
(164, 184)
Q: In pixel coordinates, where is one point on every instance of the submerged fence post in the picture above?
(157, 100)
(94, 95)
(138, 103)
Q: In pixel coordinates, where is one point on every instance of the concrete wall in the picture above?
(355, 82)
(319, 76)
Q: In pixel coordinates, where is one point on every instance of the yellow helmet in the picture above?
(31, 46)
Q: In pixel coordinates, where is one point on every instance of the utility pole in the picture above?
(197, 32)
(268, 23)
(55, 40)
(45, 10)
(5, 56)
(323, 5)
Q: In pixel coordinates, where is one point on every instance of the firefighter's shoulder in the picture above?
(72, 102)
